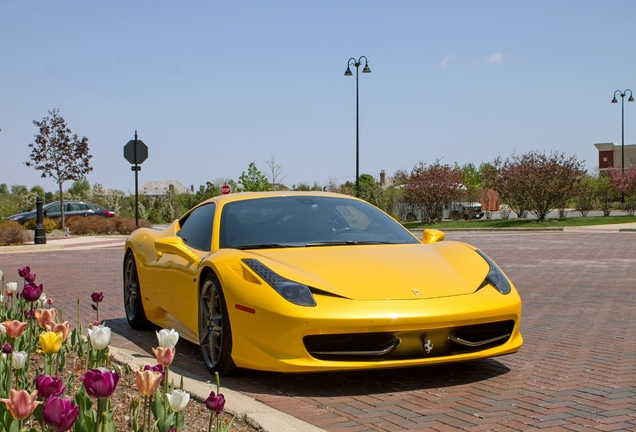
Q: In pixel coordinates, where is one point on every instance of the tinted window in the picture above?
(55, 208)
(196, 227)
(307, 221)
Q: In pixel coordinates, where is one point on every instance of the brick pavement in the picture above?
(576, 370)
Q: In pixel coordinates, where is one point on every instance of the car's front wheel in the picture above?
(215, 333)
(132, 295)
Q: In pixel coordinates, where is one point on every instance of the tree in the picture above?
(535, 182)
(253, 181)
(275, 174)
(433, 187)
(624, 182)
(58, 153)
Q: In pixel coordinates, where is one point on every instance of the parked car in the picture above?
(467, 210)
(71, 208)
(315, 281)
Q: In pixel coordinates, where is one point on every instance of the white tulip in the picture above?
(18, 359)
(1, 274)
(167, 338)
(12, 287)
(3, 329)
(42, 300)
(99, 336)
(178, 400)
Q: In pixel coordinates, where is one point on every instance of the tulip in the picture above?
(48, 386)
(97, 297)
(60, 413)
(18, 359)
(3, 329)
(147, 382)
(42, 300)
(164, 356)
(99, 336)
(12, 287)
(14, 328)
(7, 348)
(24, 271)
(51, 342)
(29, 314)
(215, 402)
(100, 383)
(21, 404)
(167, 338)
(44, 316)
(63, 327)
(32, 292)
(178, 400)
(157, 368)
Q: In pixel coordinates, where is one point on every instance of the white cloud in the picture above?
(493, 59)
(445, 63)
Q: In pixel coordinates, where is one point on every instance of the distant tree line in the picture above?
(534, 182)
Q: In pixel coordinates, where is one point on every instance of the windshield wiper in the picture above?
(262, 246)
(332, 243)
(345, 243)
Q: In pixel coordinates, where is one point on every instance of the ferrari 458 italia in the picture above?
(313, 281)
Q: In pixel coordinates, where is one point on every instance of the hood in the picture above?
(371, 272)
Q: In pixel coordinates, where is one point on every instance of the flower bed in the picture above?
(55, 378)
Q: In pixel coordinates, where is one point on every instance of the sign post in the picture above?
(136, 152)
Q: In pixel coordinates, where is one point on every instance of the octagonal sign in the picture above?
(136, 154)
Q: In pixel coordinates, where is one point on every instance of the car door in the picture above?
(175, 277)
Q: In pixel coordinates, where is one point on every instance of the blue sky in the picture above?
(211, 86)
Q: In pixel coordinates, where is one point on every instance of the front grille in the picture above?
(425, 343)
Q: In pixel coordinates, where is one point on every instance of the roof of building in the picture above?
(162, 187)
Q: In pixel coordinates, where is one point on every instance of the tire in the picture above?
(215, 333)
(133, 305)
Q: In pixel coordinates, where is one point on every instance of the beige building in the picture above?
(610, 155)
(157, 189)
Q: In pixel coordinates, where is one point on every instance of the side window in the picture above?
(53, 209)
(196, 228)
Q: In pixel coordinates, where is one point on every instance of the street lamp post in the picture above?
(631, 99)
(357, 63)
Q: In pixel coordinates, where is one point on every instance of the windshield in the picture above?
(304, 221)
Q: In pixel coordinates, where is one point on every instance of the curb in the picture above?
(258, 415)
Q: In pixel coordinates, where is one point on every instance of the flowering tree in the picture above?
(624, 182)
(433, 187)
(535, 182)
(58, 154)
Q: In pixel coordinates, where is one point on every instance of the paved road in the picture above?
(576, 370)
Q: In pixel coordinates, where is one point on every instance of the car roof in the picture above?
(242, 196)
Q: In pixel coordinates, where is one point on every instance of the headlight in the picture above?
(495, 276)
(291, 291)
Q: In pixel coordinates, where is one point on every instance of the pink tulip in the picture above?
(164, 356)
(14, 328)
(21, 404)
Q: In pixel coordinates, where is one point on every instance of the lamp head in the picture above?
(348, 72)
(613, 100)
(366, 68)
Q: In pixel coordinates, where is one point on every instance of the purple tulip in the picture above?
(7, 348)
(32, 292)
(215, 402)
(60, 413)
(29, 314)
(48, 386)
(157, 368)
(30, 277)
(97, 297)
(24, 271)
(100, 383)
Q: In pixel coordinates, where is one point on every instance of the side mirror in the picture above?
(175, 246)
(432, 236)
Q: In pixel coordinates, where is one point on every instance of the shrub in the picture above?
(49, 225)
(82, 225)
(11, 233)
(126, 226)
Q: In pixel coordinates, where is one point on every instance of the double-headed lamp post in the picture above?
(357, 63)
(631, 99)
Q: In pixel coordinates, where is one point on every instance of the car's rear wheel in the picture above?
(133, 305)
(215, 333)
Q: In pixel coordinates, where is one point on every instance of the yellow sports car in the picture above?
(313, 281)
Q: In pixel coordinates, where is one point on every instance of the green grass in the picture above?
(524, 223)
